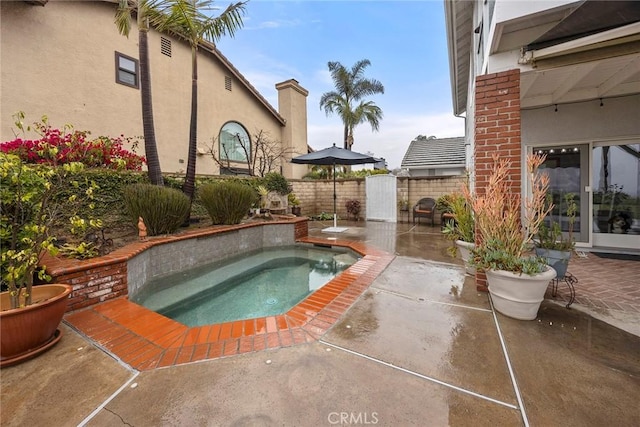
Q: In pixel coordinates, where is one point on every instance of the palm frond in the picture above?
(123, 17)
(187, 19)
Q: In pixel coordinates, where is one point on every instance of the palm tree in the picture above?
(347, 99)
(123, 22)
(186, 19)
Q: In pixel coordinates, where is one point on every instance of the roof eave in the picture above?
(210, 47)
(448, 13)
(455, 56)
(443, 166)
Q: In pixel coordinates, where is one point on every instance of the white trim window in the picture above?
(127, 70)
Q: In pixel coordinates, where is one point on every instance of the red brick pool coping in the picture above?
(146, 340)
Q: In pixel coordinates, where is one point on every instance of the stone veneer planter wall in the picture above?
(100, 279)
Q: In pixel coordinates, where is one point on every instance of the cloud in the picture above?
(323, 77)
(393, 139)
(278, 23)
(265, 81)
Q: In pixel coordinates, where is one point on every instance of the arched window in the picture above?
(235, 144)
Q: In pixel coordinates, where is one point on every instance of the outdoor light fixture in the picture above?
(556, 110)
(601, 103)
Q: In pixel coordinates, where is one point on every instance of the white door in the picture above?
(381, 198)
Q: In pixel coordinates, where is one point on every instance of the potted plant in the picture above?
(29, 315)
(552, 245)
(460, 228)
(517, 281)
(263, 192)
(403, 204)
(353, 208)
(295, 204)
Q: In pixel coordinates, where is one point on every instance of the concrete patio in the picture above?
(420, 347)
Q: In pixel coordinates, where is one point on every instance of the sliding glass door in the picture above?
(567, 167)
(616, 194)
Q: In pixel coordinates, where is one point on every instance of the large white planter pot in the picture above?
(465, 249)
(518, 295)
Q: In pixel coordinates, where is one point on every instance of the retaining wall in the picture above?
(126, 269)
(316, 196)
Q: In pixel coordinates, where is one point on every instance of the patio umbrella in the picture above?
(334, 156)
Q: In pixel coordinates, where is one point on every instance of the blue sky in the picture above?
(404, 40)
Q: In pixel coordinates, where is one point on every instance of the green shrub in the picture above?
(106, 202)
(273, 181)
(162, 209)
(197, 209)
(25, 202)
(227, 202)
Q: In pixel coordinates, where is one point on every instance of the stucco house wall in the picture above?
(59, 60)
(617, 118)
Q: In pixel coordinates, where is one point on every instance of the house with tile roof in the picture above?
(431, 156)
(66, 60)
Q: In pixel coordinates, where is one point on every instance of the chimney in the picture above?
(292, 106)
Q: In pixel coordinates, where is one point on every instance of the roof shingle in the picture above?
(426, 152)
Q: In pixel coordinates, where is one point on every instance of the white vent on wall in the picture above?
(165, 46)
(227, 82)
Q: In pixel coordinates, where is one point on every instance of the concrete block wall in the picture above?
(434, 187)
(317, 196)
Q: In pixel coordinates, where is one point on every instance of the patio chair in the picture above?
(425, 208)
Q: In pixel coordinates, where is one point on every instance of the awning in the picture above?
(591, 17)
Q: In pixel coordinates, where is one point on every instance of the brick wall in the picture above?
(95, 285)
(301, 229)
(497, 132)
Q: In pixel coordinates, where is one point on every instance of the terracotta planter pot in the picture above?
(465, 249)
(296, 210)
(518, 295)
(27, 332)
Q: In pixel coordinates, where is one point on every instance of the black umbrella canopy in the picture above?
(334, 156)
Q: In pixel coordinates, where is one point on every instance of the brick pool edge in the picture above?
(144, 339)
(104, 278)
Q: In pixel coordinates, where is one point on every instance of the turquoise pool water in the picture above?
(256, 284)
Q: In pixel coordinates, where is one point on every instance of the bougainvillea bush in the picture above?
(63, 146)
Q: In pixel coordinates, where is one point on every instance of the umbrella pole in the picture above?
(335, 211)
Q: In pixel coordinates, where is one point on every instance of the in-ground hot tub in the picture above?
(260, 283)
(147, 340)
